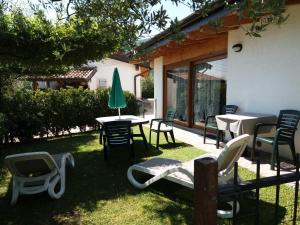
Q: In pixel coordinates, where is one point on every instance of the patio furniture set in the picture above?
(260, 126)
(116, 130)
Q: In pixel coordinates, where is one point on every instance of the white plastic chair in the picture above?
(183, 172)
(35, 172)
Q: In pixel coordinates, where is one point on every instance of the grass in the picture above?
(98, 193)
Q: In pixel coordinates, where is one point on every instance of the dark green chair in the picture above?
(286, 127)
(163, 125)
(211, 124)
(117, 133)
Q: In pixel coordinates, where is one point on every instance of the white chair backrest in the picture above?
(231, 153)
(32, 164)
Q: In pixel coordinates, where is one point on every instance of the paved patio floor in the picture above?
(195, 138)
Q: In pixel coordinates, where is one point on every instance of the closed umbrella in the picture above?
(116, 95)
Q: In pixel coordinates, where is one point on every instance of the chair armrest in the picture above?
(208, 118)
(164, 122)
(259, 125)
(157, 119)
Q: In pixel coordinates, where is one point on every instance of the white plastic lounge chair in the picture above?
(183, 172)
(36, 172)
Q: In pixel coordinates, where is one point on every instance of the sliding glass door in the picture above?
(209, 89)
(177, 91)
(196, 90)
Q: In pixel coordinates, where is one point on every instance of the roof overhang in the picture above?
(197, 29)
(190, 23)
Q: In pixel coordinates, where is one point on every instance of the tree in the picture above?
(82, 30)
(35, 44)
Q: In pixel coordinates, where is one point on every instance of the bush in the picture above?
(148, 87)
(30, 113)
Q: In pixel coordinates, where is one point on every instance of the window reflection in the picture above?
(209, 89)
(177, 91)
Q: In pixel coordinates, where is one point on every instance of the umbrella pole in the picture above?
(119, 113)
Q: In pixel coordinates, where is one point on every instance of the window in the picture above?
(102, 83)
(209, 89)
(177, 91)
(42, 85)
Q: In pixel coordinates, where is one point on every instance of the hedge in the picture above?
(28, 113)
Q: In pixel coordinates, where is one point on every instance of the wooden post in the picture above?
(205, 191)
(34, 85)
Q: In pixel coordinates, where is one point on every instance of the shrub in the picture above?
(30, 113)
(148, 87)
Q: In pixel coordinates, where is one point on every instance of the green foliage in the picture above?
(93, 29)
(148, 87)
(30, 113)
(261, 13)
(36, 45)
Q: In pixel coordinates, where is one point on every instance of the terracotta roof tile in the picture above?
(84, 74)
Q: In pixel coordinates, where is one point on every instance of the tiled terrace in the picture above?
(195, 138)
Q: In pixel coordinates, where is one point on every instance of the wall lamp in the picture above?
(237, 47)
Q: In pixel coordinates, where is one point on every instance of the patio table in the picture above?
(243, 123)
(135, 121)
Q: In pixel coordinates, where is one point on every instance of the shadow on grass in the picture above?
(184, 198)
(90, 185)
(93, 185)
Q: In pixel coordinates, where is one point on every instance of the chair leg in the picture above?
(172, 136)
(157, 140)
(292, 146)
(204, 135)
(15, 192)
(218, 138)
(166, 136)
(222, 135)
(253, 148)
(101, 136)
(232, 135)
(274, 155)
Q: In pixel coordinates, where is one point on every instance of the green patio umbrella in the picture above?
(116, 95)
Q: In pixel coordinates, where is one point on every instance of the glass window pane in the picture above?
(209, 89)
(177, 91)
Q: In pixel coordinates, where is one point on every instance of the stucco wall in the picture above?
(105, 70)
(265, 76)
(158, 85)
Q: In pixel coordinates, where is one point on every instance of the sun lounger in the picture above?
(36, 172)
(183, 172)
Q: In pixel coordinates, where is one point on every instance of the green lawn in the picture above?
(98, 193)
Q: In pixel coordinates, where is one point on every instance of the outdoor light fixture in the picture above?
(237, 47)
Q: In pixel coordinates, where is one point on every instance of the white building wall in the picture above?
(265, 76)
(105, 69)
(158, 85)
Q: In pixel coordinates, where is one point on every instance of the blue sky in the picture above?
(173, 11)
(179, 11)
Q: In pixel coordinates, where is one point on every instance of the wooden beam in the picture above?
(209, 48)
